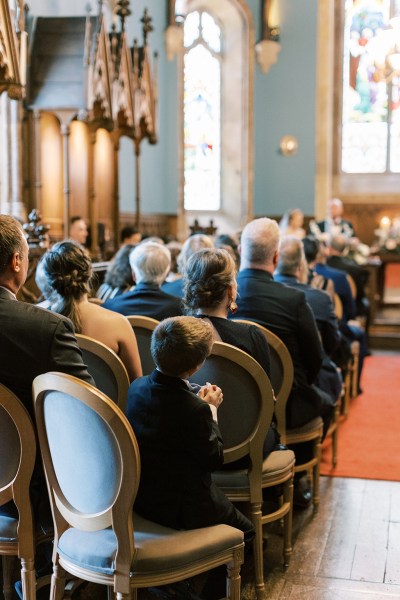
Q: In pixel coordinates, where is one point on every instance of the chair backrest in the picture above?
(91, 460)
(352, 285)
(143, 328)
(338, 306)
(106, 368)
(17, 459)
(246, 412)
(282, 374)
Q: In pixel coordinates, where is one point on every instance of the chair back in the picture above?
(143, 328)
(282, 374)
(338, 306)
(246, 412)
(17, 459)
(91, 460)
(352, 285)
(106, 368)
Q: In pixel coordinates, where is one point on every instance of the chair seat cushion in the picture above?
(276, 463)
(8, 529)
(305, 429)
(157, 548)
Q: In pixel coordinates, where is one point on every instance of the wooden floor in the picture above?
(348, 550)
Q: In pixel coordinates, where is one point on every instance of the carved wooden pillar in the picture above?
(137, 190)
(65, 132)
(37, 171)
(116, 193)
(5, 155)
(18, 208)
(93, 211)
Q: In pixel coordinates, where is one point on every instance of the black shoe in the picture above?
(302, 495)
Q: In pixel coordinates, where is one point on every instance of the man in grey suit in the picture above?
(32, 340)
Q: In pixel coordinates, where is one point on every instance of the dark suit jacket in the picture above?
(147, 300)
(359, 275)
(174, 288)
(286, 313)
(322, 307)
(180, 445)
(34, 341)
(343, 226)
(342, 288)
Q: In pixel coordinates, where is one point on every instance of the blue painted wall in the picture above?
(284, 104)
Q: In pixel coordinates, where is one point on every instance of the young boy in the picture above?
(178, 435)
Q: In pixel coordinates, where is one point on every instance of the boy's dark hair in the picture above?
(311, 248)
(179, 344)
(128, 231)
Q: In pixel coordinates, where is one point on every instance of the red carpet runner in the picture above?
(369, 439)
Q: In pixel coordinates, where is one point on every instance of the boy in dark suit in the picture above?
(177, 431)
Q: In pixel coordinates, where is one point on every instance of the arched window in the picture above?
(215, 109)
(202, 112)
(371, 87)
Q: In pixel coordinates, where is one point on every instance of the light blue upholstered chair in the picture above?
(17, 459)
(92, 464)
(244, 418)
(106, 368)
(143, 328)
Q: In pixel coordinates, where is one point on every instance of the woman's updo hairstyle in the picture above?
(68, 271)
(208, 273)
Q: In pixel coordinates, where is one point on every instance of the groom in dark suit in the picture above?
(32, 340)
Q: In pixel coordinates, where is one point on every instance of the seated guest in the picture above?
(150, 263)
(190, 246)
(227, 242)
(311, 247)
(118, 278)
(210, 291)
(68, 271)
(292, 223)
(130, 235)
(291, 268)
(177, 431)
(175, 248)
(78, 230)
(32, 341)
(338, 246)
(286, 312)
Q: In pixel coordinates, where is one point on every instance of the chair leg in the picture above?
(316, 470)
(28, 578)
(287, 523)
(110, 593)
(233, 578)
(7, 569)
(256, 516)
(57, 583)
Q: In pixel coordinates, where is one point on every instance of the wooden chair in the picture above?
(17, 459)
(92, 466)
(244, 418)
(143, 328)
(106, 368)
(282, 381)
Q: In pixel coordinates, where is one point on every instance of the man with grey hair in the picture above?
(286, 312)
(150, 263)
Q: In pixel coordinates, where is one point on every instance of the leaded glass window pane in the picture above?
(211, 32)
(370, 128)
(191, 28)
(202, 127)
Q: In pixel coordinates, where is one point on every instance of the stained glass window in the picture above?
(202, 112)
(371, 87)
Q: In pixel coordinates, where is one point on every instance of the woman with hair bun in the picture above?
(67, 270)
(210, 291)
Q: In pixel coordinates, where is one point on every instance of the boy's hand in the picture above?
(212, 394)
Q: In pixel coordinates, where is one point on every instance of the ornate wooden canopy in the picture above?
(13, 49)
